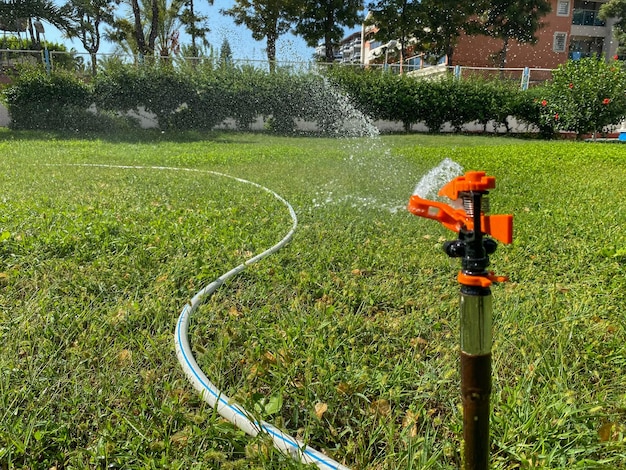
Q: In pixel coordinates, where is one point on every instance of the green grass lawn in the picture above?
(352, 328)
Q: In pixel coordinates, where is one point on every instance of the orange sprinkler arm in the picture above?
(453, 219)
(499, 227)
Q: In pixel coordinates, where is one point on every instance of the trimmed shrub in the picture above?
(159, 89)
(585, 96)
(412, 100)
(59, 100)
(525, 108)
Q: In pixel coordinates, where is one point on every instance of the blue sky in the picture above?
(289, 47)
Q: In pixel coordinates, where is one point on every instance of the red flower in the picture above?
(615, 57)
(571, 85)
(606, 101)
(556, 117)
(544, 103)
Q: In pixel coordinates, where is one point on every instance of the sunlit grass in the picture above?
(354, 325)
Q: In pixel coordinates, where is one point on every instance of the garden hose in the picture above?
(232, 412)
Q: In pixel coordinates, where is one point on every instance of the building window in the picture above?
(559, 42)
(562, 8)
(587, 14)
(580, 47)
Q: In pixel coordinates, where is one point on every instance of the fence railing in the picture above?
(525, 76)
(81, 62)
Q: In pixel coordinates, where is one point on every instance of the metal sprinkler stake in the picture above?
(468, 218)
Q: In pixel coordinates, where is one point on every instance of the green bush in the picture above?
(525, 108)
(468, 103)
(207, 105)
(366, 88)
(202, 97)
(585, 96)
(412, 100)
(246, 88)
(159, 89)
(59, 100)
(436, 101)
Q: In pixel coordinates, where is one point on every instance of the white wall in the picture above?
(148, 121)
(4, 116)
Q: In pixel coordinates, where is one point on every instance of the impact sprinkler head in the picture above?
(467, 216)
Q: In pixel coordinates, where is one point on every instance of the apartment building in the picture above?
(572, 30)
(348, 52)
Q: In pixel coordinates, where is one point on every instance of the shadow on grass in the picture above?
(138, 136)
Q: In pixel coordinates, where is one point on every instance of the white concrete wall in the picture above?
(148, 120)
(4, 116)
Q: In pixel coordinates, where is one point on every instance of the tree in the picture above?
(441, 23)
(195, 25)
(616, 9)
(86, 18)
(129, 32)
(152, 27)
(511, 19)
(168, 26)
(395, 20)
(323, 19)
(145, 48)
(266, 19)
(226, 53)
(21, 15)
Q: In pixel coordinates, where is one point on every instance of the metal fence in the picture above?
(77, 61)
(11, 59)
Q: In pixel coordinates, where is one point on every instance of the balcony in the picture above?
(586, 18)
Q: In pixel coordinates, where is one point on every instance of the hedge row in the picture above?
(200, 98)
(187, 99)
(434, 102)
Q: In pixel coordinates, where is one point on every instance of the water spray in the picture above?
(467, 215)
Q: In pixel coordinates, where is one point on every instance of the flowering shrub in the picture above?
(585, 96)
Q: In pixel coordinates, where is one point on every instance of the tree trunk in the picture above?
(154, 26)
(94, 63)
(95, 45)
(328, 43)
(503, 53)
(449, 53)
(35, 44)
(138, 31)
(192, 14)
(271, 51)
(330, 52)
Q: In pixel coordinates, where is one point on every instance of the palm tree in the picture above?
(153, 26)
(21, 15)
